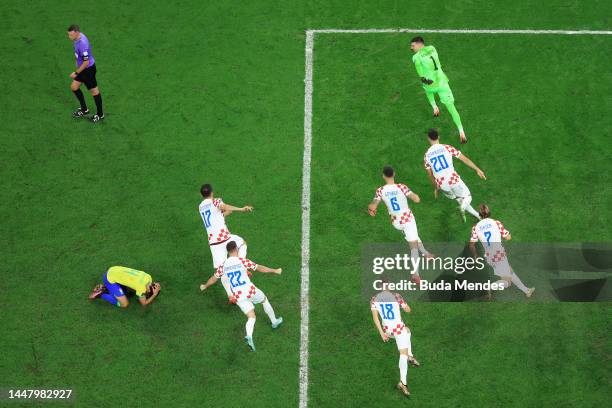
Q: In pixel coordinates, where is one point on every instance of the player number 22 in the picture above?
(234, 278)
(206, 217)
(439, 163)
(387, 311)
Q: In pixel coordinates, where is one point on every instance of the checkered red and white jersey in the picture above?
(388, 305)
(439, 158)
(394, 197)
(214, 220)
(236, 269)
(490, 233)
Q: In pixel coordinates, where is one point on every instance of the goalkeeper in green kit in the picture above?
(434, 80)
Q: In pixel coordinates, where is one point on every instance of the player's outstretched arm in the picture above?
(265, 269)
(414, 197)
(211, 281)
(473, 249)
(406, 308)
(372, 207)
(508, 237)
(376, 319)
(228, 209)
(472, 166)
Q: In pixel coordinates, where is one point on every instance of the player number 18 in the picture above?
(387, 311)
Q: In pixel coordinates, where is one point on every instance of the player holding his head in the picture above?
(388, 306)
(116, 276)
(434, 80)
(490, 233)
(395, 196)
(439, 165)
(213, 212)
(85, 73)
(246, 293)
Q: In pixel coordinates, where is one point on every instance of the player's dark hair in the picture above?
(433, 134)
(74, 27)
(231, 246)
(206, 190)
(483, 211)
(388, 171)
(418, 40)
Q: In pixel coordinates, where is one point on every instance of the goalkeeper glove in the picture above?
(426, 81)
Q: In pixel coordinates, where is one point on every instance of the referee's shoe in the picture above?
(79, 113)
(97, 118)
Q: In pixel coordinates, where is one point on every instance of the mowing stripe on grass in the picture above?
(308, 90)
(454, 31)
(304, 301)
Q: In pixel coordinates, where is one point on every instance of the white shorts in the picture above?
(409, 229)
(249, 298)
(457, 190)
(502, 268)
(219, 251)
(403, 340)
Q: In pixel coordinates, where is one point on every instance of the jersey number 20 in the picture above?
(439, 163)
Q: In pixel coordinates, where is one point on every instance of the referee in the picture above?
(85, 73)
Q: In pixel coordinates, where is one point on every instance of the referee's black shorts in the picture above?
(88, 77)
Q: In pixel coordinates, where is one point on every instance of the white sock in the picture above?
(250, 326)
(409, 344)
(403, 366)
(414, 254)
(422, 248)
(269, 311)
(465, 206)
(502, 282)
(519, 284)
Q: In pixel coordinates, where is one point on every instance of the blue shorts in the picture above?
(113, 288)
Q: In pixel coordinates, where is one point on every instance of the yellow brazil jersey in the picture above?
(132, 278)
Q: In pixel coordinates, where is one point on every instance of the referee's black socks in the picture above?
(79, 95)
(98, 100)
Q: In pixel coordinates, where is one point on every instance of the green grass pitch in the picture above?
(200, 92)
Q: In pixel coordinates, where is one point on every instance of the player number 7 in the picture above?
(487, 235)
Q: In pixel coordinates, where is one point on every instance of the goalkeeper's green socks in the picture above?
(455, 115)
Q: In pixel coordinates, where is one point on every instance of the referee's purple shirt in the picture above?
(82, 51)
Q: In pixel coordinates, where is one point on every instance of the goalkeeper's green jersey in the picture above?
(428, 66)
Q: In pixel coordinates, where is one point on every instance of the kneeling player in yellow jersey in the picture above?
(118, 276)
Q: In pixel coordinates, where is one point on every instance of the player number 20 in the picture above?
(387, 311)
(439, 163)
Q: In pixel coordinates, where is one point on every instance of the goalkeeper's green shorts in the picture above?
(444, 93)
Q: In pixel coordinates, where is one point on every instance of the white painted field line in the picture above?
(308, 90)
(304, 286)
(455, 31)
